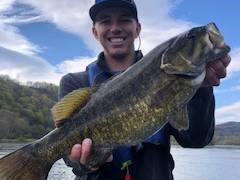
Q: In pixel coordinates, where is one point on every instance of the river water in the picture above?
(211, 163)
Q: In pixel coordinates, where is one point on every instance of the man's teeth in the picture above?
(116, 39)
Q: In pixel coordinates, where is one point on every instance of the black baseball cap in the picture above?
(102, 4)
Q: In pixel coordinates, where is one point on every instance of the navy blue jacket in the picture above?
(150, 161)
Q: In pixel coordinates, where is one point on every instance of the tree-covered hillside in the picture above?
(25, 110)
(227, 134)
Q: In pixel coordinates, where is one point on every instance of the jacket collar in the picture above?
(99, 72)
(101, 62)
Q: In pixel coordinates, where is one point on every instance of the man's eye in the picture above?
(126, 20)
(105, 21)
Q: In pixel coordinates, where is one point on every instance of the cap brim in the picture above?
(94, 10)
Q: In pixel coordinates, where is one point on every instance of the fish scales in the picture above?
(128, 108)
(118, 115)
(107, 129)
(121, 119)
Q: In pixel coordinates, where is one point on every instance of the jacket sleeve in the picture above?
(201, 120)
(72, 81)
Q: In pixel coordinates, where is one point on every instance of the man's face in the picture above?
(116, 30)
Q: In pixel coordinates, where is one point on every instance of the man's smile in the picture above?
(116, 39)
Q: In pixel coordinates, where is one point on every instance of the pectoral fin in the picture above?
(180, 119)
(70, 103)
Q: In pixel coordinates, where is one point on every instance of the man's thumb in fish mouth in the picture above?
(216, 70)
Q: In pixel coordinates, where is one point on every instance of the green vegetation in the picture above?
(25, 110)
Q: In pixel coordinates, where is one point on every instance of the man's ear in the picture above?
(138, 29)
(95, 34)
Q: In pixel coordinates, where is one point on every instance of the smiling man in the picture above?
(116, 26)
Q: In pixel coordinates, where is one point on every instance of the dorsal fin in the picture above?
(70, 103)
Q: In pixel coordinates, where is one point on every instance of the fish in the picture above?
(127, 109)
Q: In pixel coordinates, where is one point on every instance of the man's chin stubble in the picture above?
(119, 57)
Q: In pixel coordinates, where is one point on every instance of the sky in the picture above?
(43, 40)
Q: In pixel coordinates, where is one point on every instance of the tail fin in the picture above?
(23, 165)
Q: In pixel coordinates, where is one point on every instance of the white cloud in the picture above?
(157, 24)
(152, 35)
(18, 56)
(228, 113)
(228, 90)
(72, 16)
(32, 68)
(68, 15)
(234, 66)
(6, 4)
(27, 68)
(75, 65)
(10, 37)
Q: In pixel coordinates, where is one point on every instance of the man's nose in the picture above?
(116, 27)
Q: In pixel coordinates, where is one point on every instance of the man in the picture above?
(116, 26)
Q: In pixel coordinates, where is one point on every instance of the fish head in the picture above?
(189, 52)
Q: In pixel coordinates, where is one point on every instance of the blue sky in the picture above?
(43, 40)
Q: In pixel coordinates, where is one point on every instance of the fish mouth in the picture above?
(194, 80)
(199, 79)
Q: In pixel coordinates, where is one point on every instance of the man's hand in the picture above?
(80, 152)
(215, 71)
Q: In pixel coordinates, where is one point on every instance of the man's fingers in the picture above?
(212, 79)
(81, 152)
(226, 60)
(75, 152)
(219, 68)
(86, 150)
